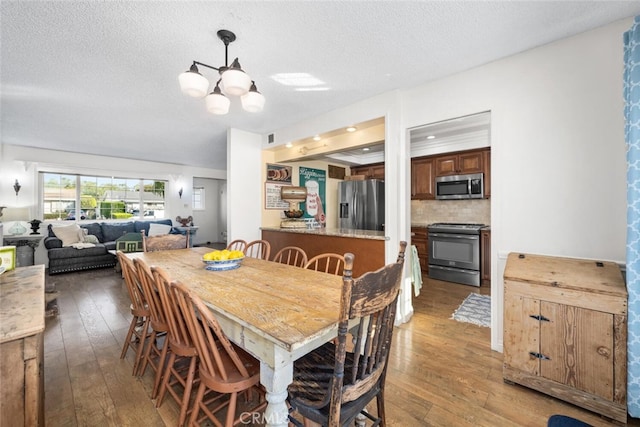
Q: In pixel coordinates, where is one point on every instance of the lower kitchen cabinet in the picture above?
(565, 330)
(419, 239)
(485, 257)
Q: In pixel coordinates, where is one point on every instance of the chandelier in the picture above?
(232, 81)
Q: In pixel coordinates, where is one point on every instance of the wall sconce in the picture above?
(180, 192)
(17, 187)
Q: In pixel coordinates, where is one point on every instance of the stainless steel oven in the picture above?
(454, 252)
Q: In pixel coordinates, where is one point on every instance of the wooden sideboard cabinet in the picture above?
(419, 238)
(565, 330)
(22, 347)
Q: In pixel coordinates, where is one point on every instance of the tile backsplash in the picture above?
(425, 212)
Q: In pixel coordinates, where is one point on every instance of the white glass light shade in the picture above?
(235, 82)
(217, 103)
(193, 84)
(253, 101)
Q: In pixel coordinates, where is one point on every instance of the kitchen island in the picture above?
(366, 245)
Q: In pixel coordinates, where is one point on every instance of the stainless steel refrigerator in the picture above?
(361, 204)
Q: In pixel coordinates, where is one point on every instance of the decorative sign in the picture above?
(315, 181)
(279, 173)
(272, 198)
(7, 258)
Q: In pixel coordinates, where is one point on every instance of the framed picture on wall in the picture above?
(279, 173)
(7, 258)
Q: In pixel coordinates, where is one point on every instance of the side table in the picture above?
(25, 247)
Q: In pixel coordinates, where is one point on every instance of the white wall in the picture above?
(24, 163)
(558, 151)
(244, 185)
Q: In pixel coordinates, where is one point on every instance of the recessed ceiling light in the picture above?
(288, 145)
(316, 138)
(431, 137)
(351, 129)
(366, 149)
(297, 79)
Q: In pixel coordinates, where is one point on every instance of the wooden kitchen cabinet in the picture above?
(565, 330)
(485, 257)
(422, 178)
(419, 238)
(486, 160)
(459, 163)
(372, 171)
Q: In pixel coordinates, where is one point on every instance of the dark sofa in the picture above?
(66, 259)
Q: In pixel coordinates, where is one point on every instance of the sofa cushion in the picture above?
(70, 252)
(95, 229)
(144, 225)
(69, 234)
(110, 232)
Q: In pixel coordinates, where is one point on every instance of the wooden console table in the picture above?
(21, 346)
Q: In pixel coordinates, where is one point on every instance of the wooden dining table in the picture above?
(274, 311)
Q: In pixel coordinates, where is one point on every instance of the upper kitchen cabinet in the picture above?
(422, 178)
(460, 163)
(486, 159)
(372, 171)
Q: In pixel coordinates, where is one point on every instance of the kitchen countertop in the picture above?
(338, 232)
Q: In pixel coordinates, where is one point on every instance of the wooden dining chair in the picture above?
(164, 242)
(327, 263)
(331, 386)
(155, 352)
(237, 245)
(180, 370)
(225, 370)
(291, 255)
(138, 332)
(260, 249)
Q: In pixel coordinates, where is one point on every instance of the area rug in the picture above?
(474, 309)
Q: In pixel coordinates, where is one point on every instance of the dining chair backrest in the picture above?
(212, 344)
(179, 336)
(237, 245)
(359, 375)
(327, 263)
(291, 255)
(164, 242)
(152, 296)
(132, 281)
(260, 249)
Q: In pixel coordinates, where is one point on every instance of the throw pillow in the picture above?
(90, 238)
(159, 229)
(69, 234)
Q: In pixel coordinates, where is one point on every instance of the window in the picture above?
(198, 199)
(100, 197)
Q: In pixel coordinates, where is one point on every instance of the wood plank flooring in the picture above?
(441, 372)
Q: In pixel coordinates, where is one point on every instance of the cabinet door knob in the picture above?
(539, 318)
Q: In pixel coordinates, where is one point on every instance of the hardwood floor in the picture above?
(441, 372)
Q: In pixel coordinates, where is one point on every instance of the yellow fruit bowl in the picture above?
(222, 265)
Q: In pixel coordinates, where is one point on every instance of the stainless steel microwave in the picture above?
(459, 187)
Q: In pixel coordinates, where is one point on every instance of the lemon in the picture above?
(208, 256)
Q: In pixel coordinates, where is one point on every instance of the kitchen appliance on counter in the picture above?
(460, 187)
(293, 195)
(454, 252)
(361, 204)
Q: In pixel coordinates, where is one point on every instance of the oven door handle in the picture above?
(455, 236)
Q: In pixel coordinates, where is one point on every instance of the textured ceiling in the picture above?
(101, 77)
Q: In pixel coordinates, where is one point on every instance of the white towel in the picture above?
(416, 271)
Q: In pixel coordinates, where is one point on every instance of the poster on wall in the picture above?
(315, 181)
(279, 173)
(272, 198)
